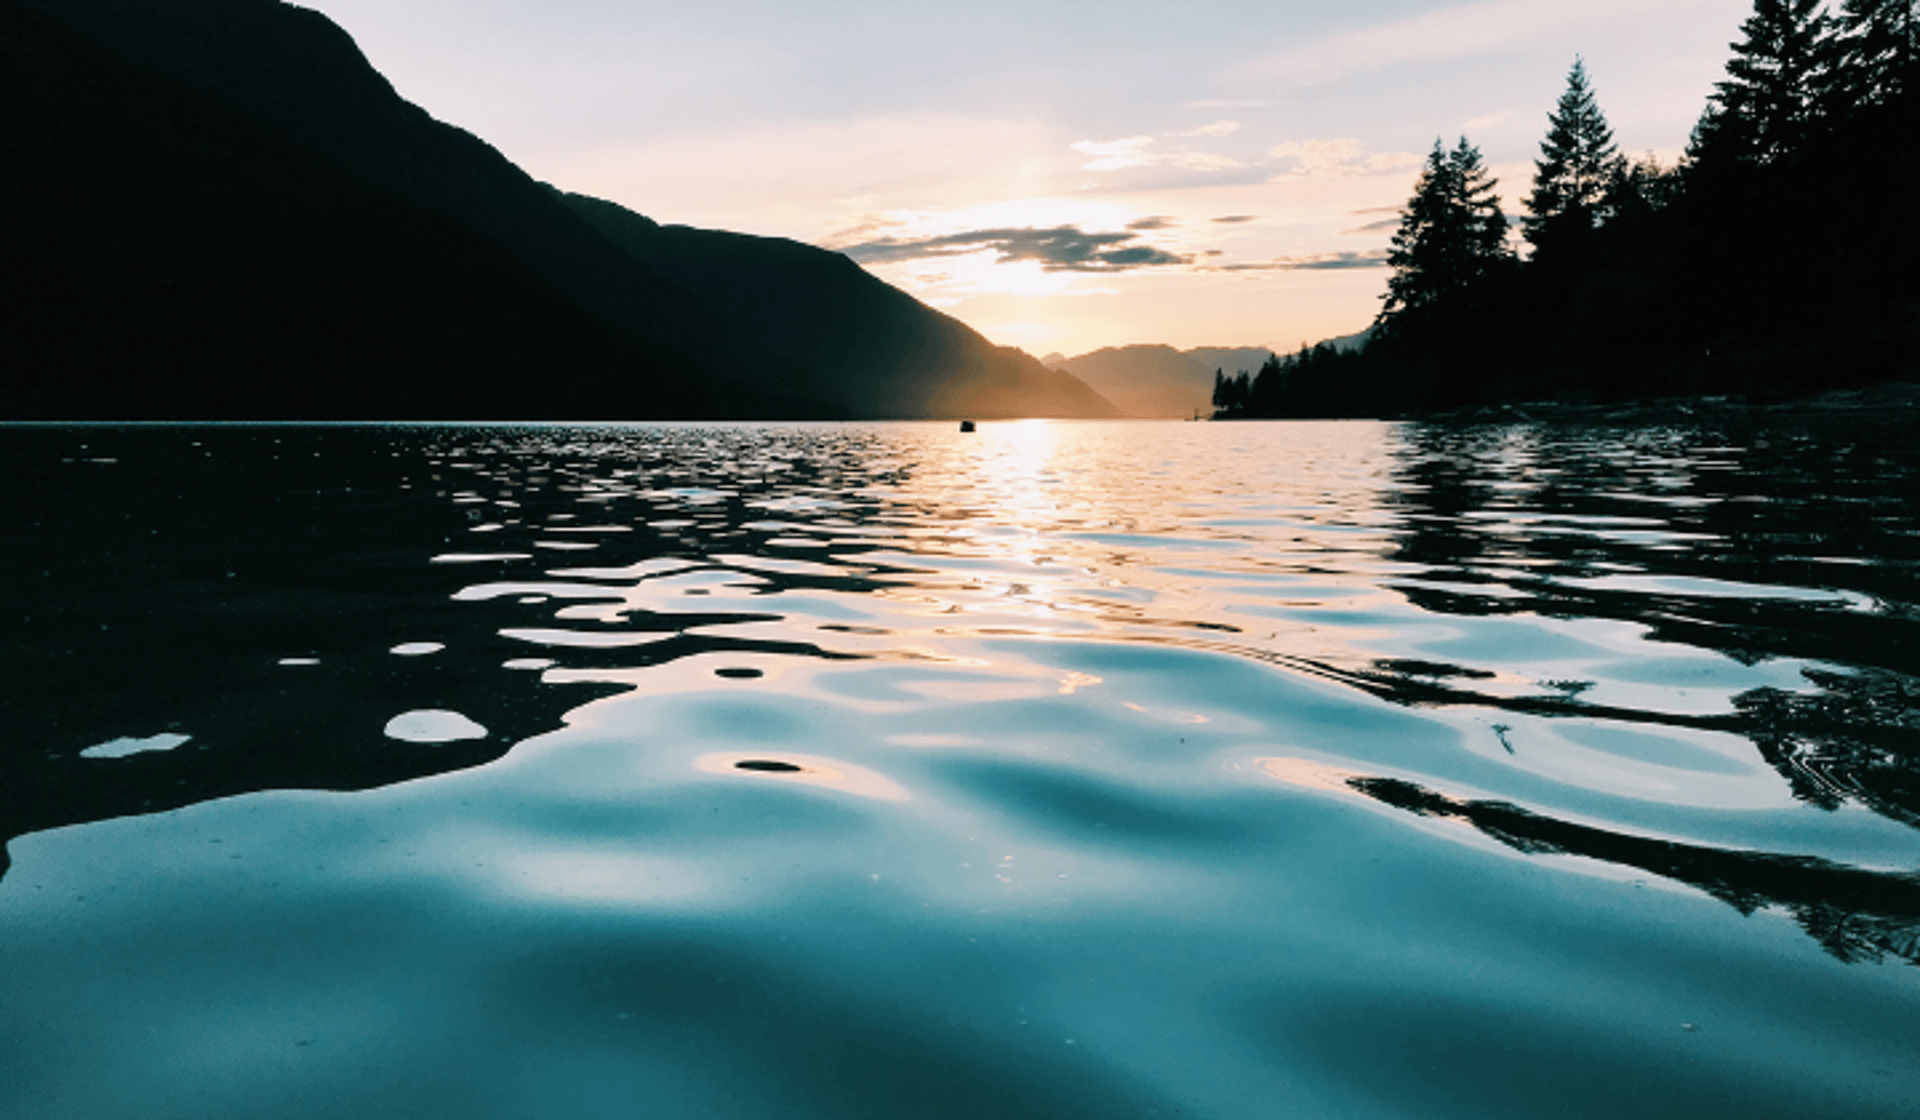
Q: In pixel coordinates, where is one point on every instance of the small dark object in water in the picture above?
(739, 674)
(966, 425)
(766, 764)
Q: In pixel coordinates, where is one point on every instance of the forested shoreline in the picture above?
(1774, 261)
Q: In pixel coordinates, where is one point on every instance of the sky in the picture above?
(1061, 176)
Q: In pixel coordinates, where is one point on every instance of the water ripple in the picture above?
(1050, 770)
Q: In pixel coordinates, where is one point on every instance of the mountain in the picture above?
(1229, 360)
(1351, 343)
(1153, 381)
(217, 208)
(875, 350)
(166, 254)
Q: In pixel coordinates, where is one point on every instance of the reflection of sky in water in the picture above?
(1050, 770)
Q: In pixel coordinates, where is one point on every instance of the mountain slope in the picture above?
(875, 350)
(1229, 360)
(166, 256)
(301, 75)
(417, 252)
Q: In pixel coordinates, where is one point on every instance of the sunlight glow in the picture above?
(1291, 120)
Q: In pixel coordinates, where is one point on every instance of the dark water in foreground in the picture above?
(1058, 770)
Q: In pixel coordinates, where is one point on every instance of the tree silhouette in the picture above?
(1230, 394)
(1578, 172)
(1452, 233)
(1774, 261)
(1876, 59)
(1643, 186)
(1767, 106)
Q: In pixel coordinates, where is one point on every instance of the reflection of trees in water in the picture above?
(1858, 737)
(167, 573)
(1523, 510)
(1538, 516)
(1855, 914)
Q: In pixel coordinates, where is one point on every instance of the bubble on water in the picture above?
(433, 725)
(805, 769)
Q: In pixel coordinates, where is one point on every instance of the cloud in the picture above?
(1131, 151)
(1116, 155)
(1230, 219)
(1154, 221)
(1321, 159)
(1230, 104)
(1316, 262)
(1203, 161)
(1380, 226)
(1217, 128)
(1057, 249)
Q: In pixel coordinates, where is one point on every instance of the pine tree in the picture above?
(1769, 103)
(1266, 395)
(1642, 187)
(1876, 56)
(1487, 225)
(1452, 233)
(1230, 394)
(1578, 169)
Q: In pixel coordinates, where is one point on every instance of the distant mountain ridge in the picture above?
(1157, 382)
(221, 210)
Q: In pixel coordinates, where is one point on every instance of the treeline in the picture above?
(1303, 384)
(1777, 259)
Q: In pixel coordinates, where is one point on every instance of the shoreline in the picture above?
(1887, 400)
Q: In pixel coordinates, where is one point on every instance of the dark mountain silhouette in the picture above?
(219, 209)
(1153, 381)
(875, 350)
(165, 254)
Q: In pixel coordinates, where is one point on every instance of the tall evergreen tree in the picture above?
(1452, 233)
(1877, 55)
(1578, 170)
(1768, 105)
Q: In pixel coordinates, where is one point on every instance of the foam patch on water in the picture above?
(433, 725)
(126, 745)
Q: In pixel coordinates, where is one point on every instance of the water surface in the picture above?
(1153, 769)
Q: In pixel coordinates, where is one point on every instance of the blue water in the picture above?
(1053, 770)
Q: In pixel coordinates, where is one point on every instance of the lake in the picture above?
(881, 770)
